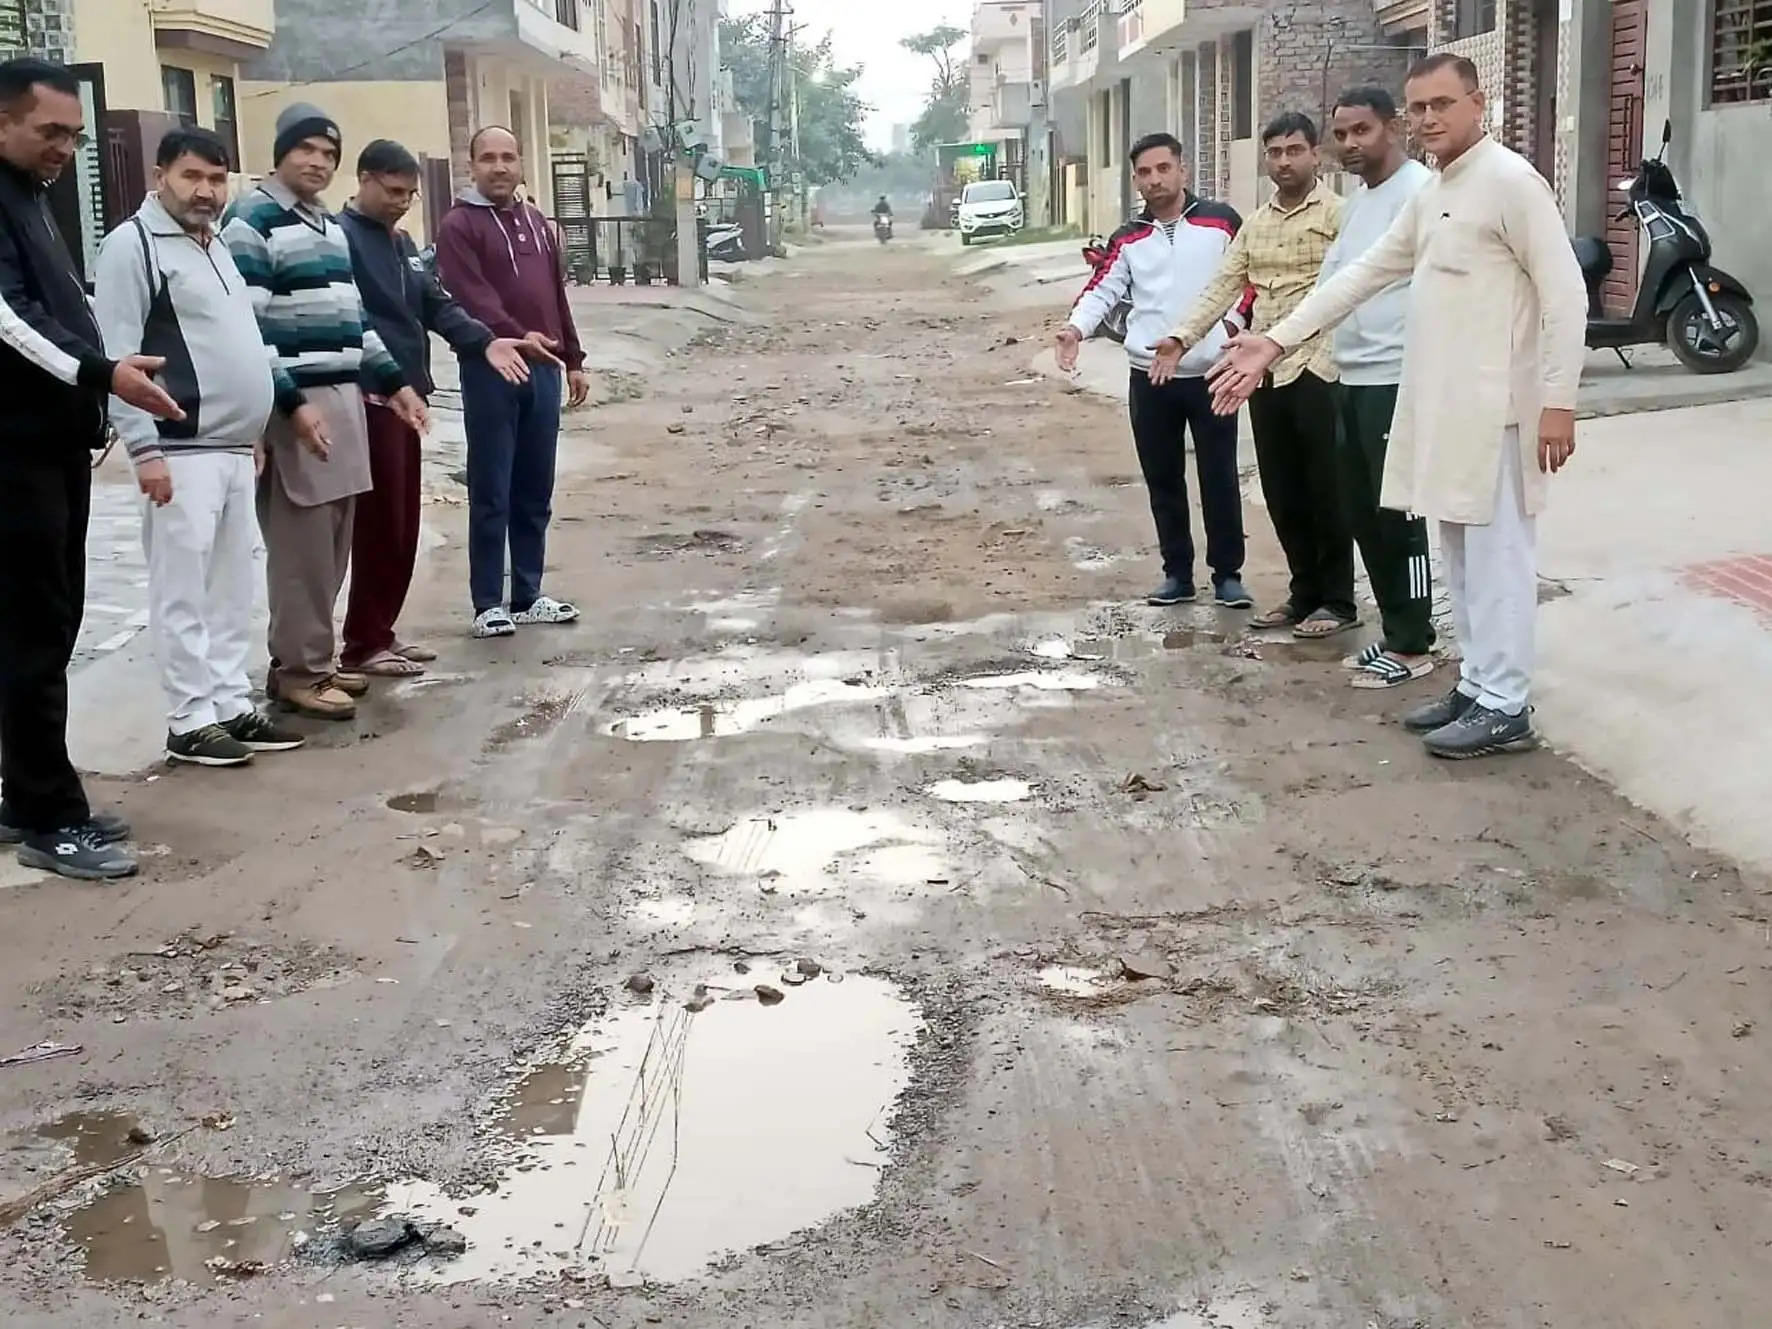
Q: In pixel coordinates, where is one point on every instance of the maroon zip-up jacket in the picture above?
(503, 267)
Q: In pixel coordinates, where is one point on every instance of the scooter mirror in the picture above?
(1667, 132)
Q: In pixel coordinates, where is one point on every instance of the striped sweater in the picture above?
(297, 264)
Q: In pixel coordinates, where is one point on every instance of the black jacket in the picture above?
(54, 376)
(405, 301)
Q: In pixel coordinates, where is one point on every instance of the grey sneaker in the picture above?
(111, 829)
(1480, 732)
(259, 733)
(209, 746)
(1173, 591)
(80, 852)
(1437, 714)
(1232, 594)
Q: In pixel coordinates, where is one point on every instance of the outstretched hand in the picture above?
(1166, 360)
(1065, 347)
(1239, 371)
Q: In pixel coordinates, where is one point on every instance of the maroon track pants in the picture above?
(384, 539)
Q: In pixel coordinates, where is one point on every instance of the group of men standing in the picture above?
(1446, 390)
(266, 365)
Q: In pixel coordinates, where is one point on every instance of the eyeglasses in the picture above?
(64, 136)
(1438, 105)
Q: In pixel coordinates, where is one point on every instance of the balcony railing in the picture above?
(1090, 22)
(1131, 23)
(1060, 46)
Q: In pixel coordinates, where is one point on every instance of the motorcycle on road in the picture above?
(1705, 316)
(882, 227)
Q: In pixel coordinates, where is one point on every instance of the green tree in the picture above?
(947, 107)
(831, 112)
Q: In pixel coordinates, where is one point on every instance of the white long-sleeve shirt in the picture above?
(1496, 330)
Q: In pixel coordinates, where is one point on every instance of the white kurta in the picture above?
(1496, 331)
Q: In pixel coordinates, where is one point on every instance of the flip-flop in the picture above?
(1283, 617)
(389, 664)
(1387, 671)
(417, 654)
(1332, 625)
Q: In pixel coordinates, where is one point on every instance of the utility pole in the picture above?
(778, 74)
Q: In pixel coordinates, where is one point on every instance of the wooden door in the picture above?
(1624, 148)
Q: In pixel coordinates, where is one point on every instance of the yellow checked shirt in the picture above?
(1280, 255)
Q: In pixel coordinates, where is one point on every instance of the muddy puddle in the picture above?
(665, 1139)
(980, 791)
(721, 719)
(820, 850)
(166, 1222)
(418, 800)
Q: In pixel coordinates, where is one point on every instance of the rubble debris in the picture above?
(45, 1051)
(1620, 1166)
(769, 996)
(1146, 964)
(640, 985)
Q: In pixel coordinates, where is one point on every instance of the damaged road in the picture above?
(865, 917)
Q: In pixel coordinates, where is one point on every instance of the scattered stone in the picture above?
(809, 968)
(439, 1239)
(1146, 964)
(1559, 1129)
(223, 1267)
(139, 1135)
(741, 967)
(640, 985)
(674, 429)
(1141, 787)
(793, 978)
(1620, 1166)
(769, 996)
(1743, 1028)
(235, 992)
(379, 1238)
(698, 1003)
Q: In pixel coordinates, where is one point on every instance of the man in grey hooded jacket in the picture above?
(167, 286)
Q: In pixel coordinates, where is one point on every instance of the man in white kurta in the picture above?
(1485, 410)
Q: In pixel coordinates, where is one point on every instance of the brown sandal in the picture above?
(1324, 623)
(1283, 617)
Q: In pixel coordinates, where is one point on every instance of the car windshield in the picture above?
(989, 191)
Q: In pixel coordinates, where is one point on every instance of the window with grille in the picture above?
(1740, 51)
(566, 12)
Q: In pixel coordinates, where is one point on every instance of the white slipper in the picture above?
(494, 622)
(546, 609)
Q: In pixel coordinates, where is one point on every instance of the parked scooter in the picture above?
(726, 243)
(1702, 313)
(882, 228)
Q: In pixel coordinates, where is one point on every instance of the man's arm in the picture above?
(120, 301)
(1532, 229)
(1387, 262)
(1227, 287)
(459, 264)
(28, 328)
(1108, 285)
(251, 253)
(442, 314)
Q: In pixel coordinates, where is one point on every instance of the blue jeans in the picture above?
(513, 433)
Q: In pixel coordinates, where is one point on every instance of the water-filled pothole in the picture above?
(980, 791)
(418, 800)
(821, 849)
(168, 1222)
(719, 719)
(666, 1138)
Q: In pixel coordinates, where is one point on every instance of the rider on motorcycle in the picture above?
(883, 208)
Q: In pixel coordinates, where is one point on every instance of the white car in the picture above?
(989, 207)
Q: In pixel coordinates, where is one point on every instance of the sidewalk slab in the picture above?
(1653, 668)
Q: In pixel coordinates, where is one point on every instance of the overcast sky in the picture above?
(867, 33)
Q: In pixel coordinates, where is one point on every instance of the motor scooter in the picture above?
(726, 242)
(882, 228)
(1705, 316)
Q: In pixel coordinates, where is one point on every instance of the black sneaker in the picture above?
(1437, 714)
(259, 733)
(1232, 594)
(1173, 591)
(209, 746)
(77, 851)
(111, 829)
(1480, 732)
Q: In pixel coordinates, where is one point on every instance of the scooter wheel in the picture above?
(1707, 350)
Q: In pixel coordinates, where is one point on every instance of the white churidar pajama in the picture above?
(1492, 576)
(203, 553)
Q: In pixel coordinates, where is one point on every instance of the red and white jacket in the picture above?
(1161, 276)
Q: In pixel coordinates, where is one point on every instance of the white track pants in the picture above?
(203, 565)
(1492, 575)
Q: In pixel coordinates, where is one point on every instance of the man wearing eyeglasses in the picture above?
(405, 303)
(1486, 407)
(54, 383)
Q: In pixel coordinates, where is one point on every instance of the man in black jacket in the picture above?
(54, 382)
(405, 303)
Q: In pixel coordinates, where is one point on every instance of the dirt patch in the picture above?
(194, 974)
